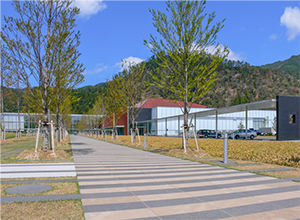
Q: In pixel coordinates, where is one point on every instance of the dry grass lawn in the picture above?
(272, 152)
(282, 174)
(59, 188)
(66, 209)
(61, 151)
(255, 167)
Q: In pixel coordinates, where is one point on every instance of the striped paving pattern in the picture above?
(117, 182)
(37, 170)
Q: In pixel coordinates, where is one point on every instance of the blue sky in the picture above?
(257, 32)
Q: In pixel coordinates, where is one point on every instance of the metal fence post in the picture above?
(145, 140)
(226, 148)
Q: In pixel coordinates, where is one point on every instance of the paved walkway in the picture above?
(37, 170)
(117, 182)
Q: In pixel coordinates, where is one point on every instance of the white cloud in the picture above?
(291, 19)
(95, 71)
(89, 7)
(273, 36)
(231, 56)
(127, 61)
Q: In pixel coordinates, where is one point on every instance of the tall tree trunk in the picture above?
(2, 110)
(185, 129)
(45, 82)
(114, 126)
(18, 105)
(103, 128)
(133, 134)
(45, 129)
(58, 137)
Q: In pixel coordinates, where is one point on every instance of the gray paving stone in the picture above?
(171, 202)
(287, 203)
(150, 218)
(156, 191)
(101, 186)
(251, 209)
(213, 214)
(105, 195)
(273, 190)
(229, 185)
(28, 189)
(113, 207)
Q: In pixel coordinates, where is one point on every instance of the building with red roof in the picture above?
(152, 108)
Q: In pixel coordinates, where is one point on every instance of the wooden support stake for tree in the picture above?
(184, 144)
(37, 136)
(138, 133)
(195, 136)
(59, 134)
(52, 135)
(131, 135)
(117, 134)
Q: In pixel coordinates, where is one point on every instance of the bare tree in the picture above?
(135, 90)
(186, 70)
(38, 39)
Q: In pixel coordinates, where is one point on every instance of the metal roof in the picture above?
(259, 105)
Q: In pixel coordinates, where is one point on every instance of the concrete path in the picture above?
(118, 182)
(37, 170)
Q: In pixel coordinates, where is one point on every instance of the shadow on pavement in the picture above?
(77, 143)
(85, 151)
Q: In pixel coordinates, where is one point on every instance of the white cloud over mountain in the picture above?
(231, 56)
(291, 19)
(89, 7)
(127, 61)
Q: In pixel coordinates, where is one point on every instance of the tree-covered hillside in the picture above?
(88, 96)
(290, 66)
(238, 83)
(241, 83)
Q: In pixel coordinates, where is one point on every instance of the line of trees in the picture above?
(187, 56)
(40, 48)
(120, 95)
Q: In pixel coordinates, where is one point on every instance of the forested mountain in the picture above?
(88, 96)
(242, 83)
(238, 83)
(290, 66)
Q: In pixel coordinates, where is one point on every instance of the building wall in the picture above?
(226, 122)
(288, 123)
(10, 121)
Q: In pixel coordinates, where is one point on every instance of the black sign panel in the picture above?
(288, 118)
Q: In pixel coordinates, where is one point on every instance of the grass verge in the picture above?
(62, 209)
(11, 135)
(23, 150)
(281, 174)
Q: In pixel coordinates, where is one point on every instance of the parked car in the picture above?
(242, 134)
(206, 133)
(260, 132)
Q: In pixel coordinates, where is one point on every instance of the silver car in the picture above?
(242, 134)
